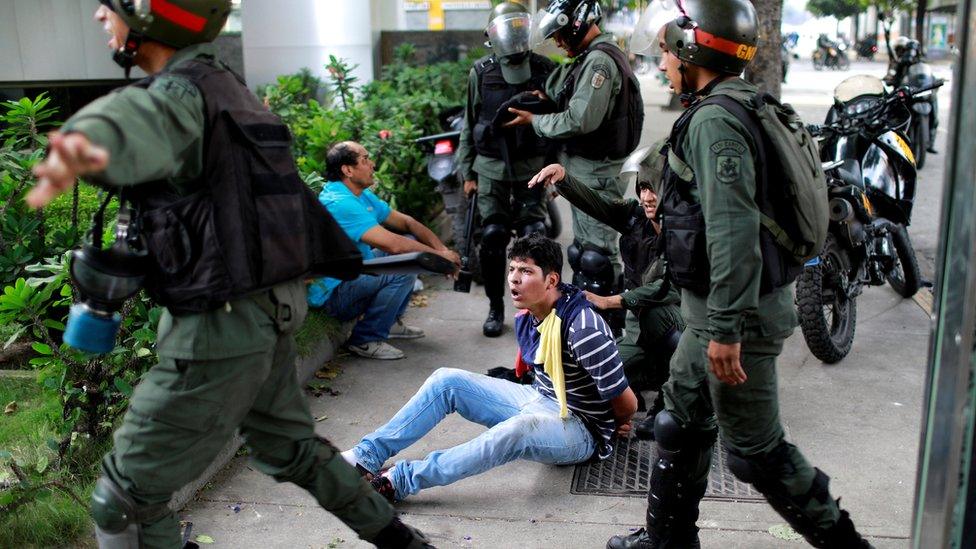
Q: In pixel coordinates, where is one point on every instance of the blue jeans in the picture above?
(522, 424)
(380, 299)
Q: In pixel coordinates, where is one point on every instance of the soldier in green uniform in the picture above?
(723, 374)
(496, 162)
(597, 124)
(653, 316)
(222, 367)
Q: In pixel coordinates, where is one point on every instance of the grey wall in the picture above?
(53, 40)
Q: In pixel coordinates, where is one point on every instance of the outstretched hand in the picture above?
(550, 175)
(69, 157)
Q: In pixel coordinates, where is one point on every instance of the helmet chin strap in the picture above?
(125, 56)
(687, 98)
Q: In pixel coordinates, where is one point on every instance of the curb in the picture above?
(305, 366)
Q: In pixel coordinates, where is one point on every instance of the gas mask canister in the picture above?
(105, 279)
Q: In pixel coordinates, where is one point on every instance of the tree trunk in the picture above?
(766, 70)
(923, 6)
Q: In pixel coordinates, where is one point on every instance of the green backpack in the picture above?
(796, 212)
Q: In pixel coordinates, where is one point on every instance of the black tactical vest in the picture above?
(683, 222)
(639, 248)
(252, 224)
(522, 142)
(619, 133)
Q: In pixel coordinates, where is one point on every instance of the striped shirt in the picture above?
(592, 366)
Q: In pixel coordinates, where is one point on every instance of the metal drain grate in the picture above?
(627, 473)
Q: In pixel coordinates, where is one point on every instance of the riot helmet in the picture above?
(573, 18)
(508, 37)
(644, 168)
(904, 44)
(720, 35)
(176, 23)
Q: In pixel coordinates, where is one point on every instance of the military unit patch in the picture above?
(728, 168)
(598, 80)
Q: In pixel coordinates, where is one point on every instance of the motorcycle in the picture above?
(871, 180)
(831, 55)
(866, 48)
(443, 169)
(911, 70)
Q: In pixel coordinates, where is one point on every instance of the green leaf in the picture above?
(42, 348)
(42, 464)
(52, 443)
(123, 386)
(6, 498)
(14, 337)
(143, 352)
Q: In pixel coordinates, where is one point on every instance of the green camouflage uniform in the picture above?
(501, 194)
(747, 414)
(219, 371)
(597, 89)
(649, 316)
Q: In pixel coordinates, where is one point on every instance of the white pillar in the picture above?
(283, 36)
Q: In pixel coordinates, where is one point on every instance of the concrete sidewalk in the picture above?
(858, 421)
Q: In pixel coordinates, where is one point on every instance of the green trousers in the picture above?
(220, 371)
(588, 231)
(746, 415)
(638, 348)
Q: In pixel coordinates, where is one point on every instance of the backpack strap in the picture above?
(746, 116)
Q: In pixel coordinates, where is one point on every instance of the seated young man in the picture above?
(578, 401)
(371, 223)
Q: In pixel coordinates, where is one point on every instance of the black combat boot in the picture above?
(644, 430)
(398, 535)
(843, 535)
(495, 322)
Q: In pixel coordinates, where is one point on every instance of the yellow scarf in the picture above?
(550, 355)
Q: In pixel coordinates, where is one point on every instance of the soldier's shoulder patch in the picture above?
(732, 146)
(600, 75)
(728, 168)
(176, 86)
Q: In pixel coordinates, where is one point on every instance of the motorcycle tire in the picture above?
(818, 64)
(828, 317)
(843, 62)
(920, 139)
(905, 278)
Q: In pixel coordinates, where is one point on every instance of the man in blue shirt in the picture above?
(578, 401)
(377, 229)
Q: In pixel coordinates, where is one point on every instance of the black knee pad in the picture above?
(532, 227)
(573, 253)
(672, 436)
(595, 273)
(118, 517)
(494, 239)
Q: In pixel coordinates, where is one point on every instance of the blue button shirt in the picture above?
(356, 215)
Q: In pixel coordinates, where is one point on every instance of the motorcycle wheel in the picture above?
(555, 225)
(920, 138)
(818, 63)
(827, 315)
(904, 277)
(843, 62)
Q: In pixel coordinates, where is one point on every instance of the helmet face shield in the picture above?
(509, 34)
(644, 40)
(545, 23)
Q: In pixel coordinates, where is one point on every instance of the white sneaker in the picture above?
(399, 330)
(379, 350)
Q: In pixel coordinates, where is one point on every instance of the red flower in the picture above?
(385, 134)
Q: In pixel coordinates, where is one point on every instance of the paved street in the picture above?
(858, 420)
